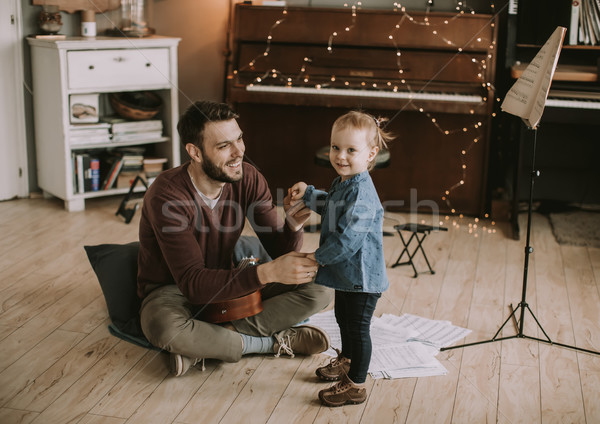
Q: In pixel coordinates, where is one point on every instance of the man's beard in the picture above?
(214, 172)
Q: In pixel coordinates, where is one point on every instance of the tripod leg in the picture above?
(493, 339)
(515, 322)
(537, 322)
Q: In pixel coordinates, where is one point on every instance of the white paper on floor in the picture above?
(403, 346)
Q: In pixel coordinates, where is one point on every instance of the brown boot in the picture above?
(334, 370)
(304, 339)
(343, 393)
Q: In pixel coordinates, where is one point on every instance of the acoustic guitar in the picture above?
(233, 309)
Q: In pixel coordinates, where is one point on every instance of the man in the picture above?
(192, 217)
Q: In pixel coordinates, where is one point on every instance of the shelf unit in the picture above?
(100, 65)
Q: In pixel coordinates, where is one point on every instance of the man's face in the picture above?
(222, 151)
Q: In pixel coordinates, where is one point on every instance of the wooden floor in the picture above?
(59, 364)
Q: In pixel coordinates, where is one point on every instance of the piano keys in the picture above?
(573, 99)
(294, 71)
(471, 99)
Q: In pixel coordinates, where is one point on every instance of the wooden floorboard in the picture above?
(59, 364)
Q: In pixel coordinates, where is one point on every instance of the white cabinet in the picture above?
(100, 65)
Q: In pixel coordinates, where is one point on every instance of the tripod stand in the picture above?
(523, 304)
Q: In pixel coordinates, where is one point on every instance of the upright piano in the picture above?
(294, 70)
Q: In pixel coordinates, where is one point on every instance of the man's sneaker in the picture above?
(334, 370)
(344, 392)
(180, 364)
(305, 340)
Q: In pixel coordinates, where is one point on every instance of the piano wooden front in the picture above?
(283, 130)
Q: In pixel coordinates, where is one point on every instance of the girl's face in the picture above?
(350, 153)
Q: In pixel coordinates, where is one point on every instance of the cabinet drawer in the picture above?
(117, 69)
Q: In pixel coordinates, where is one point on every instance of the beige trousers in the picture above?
(168, 320)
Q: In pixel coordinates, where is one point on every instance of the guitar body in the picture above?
(238, 308)
(230, 310)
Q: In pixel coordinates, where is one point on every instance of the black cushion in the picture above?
(115, 266)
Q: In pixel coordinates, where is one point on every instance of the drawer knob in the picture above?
(91, 67)
(148, 65)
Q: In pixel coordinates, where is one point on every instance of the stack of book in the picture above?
(584, 27)
(132, 167)
(127, 131)
(89, 133)
(123, 166)
(86, 172)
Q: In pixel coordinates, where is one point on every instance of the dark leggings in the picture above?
(353, 313)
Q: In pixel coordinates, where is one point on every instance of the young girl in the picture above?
(350, 252)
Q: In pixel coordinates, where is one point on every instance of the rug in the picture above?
(579, 228)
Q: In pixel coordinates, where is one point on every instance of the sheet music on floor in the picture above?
(403, 346)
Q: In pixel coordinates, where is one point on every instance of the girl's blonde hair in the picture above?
(377, 136)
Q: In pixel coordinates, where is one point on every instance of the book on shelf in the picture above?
(574, 22)
(86, 173)
(89, 126)
(120, 160)
(121, 125)
(594, 17)
(49, 36)
(138, 136)
(113, 172)
(89, 139)
(89, 133)
(131, 166)
(527, 97)
(95, 174)
(584, 24)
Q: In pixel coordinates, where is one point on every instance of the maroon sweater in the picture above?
(184, 242)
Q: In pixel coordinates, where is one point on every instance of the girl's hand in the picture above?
(296, 212)
(297, 191)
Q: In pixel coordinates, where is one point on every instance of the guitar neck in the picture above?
(246, 262)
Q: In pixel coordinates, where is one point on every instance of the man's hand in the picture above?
(291, 268)
(296, 212)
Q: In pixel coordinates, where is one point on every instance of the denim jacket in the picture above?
(350, 252)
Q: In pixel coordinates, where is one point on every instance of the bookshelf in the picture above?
(97, 66)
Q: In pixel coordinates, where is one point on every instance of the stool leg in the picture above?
(412, 263)
(410, 256)
(405, 250)
(420, 246)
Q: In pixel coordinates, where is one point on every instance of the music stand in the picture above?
(523, 305)
(526, 99)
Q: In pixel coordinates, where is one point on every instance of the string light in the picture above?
(405, 18)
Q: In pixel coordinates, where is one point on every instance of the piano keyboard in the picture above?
(443, 97)
(572, 99)
(573, 103)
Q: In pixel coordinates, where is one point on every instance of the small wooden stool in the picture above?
(415, 229)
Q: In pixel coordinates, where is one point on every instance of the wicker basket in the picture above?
(136, 105)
